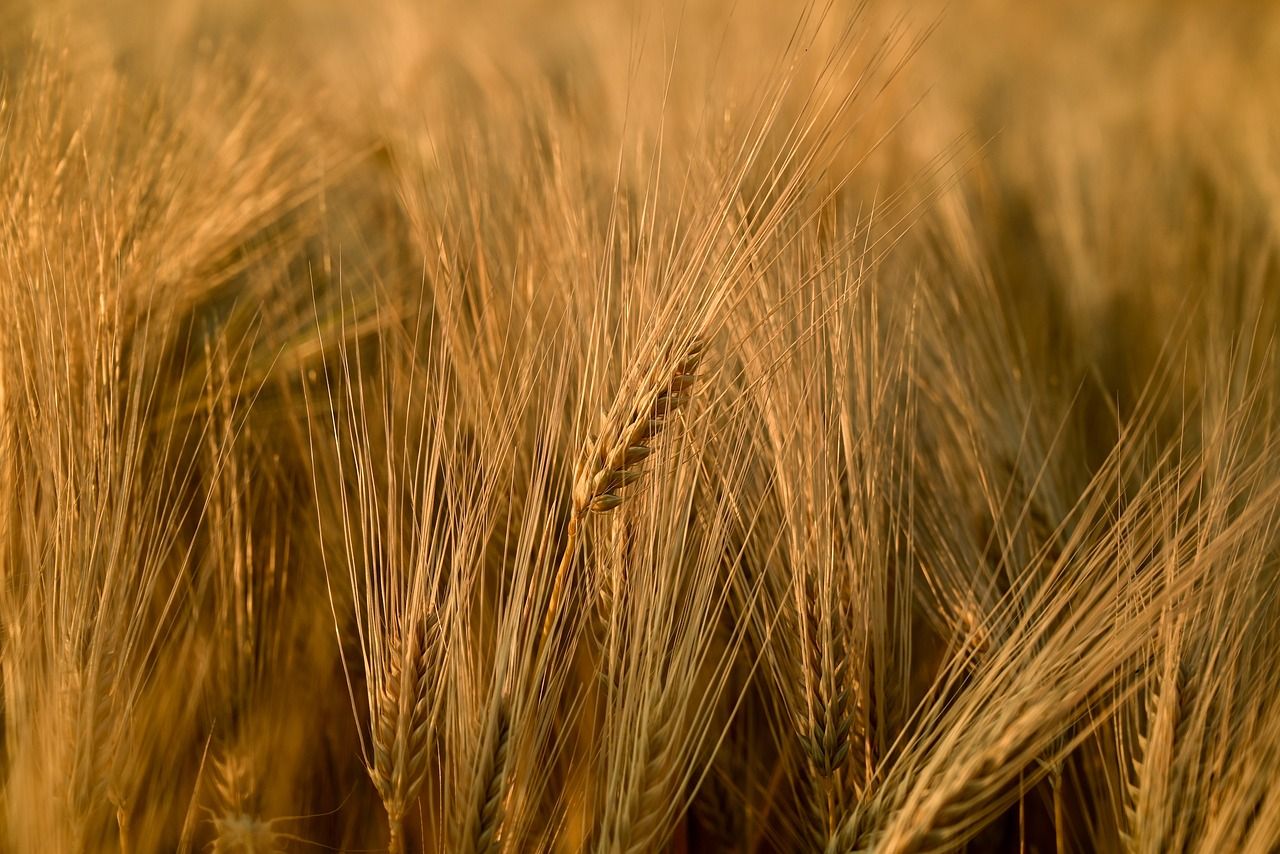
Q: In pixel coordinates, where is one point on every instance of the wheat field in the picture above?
(681, 426)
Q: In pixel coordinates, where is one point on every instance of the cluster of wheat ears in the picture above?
(622, 427)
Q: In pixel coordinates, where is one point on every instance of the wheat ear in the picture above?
(1152, 786)
(234, 792)
(406, 711)
(613, 461)
(481, 833)
(642, 816)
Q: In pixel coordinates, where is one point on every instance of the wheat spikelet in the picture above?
(932, 828)
(826, 743)
(613, 461)
(1151, 789)
(234, 784)
(855, 834)
(243, 834)
(237, 826)
(828, 734)
(407, 701)
(481, 832)
(636, 824)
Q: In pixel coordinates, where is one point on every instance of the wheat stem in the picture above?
(395, 834)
